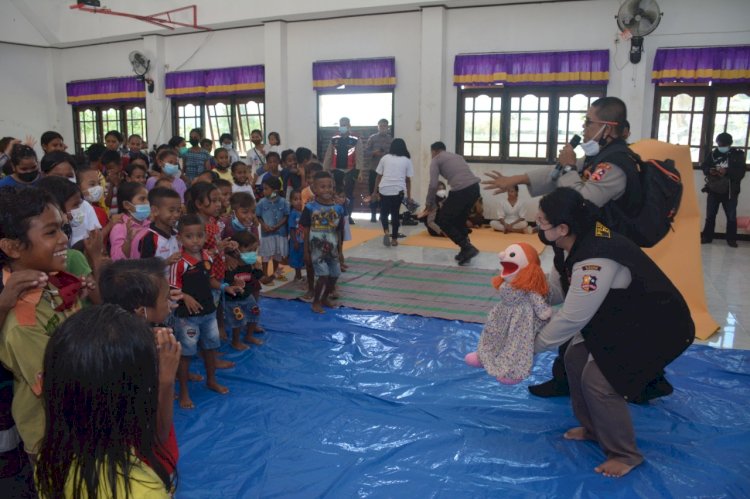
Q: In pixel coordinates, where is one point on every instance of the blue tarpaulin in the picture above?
(365, 404)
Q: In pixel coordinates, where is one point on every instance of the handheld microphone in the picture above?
(560, 169)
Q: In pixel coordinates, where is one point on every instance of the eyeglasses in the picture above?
(587, 122)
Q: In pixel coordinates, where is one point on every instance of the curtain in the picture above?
(702, 65)
(532, 68)
(126, 89)
(216, 82)
(376, 74)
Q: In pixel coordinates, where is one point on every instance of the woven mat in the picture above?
(484, 239)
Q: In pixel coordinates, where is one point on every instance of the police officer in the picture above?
(622, 316)
(378, 145)
(345, 158)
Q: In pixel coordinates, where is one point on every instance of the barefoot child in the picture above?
(241, 309)
(323, 221)
(296, 236)
(161, 238)
(196, 318)
(272, 212)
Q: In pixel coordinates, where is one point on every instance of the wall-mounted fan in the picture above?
(141, 65)
(639, 18)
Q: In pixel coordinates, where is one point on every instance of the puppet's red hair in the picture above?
(530, 278)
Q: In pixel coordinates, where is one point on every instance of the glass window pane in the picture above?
(543, 122)
(495, 150)
(737, 127)
(544, 103)
(722, 103)
(541, 151)
(468, 126)
(527, 151)
(579, 102)
(469, 104)
(694, 152)
(529, 127)
(699, 103)
(563, 103)
(530, 102)
(481, 150)
(483, 103)
(663, 127)
(482, 126)
(513, 150)
(495, 127)
(695, 133)
(497, 103)
(740, 103)
(515, 104)
(468, 149)
(514, 117)
(665, 103)
(682, 102)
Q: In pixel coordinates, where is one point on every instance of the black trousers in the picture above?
(455, 211)
(390, 205)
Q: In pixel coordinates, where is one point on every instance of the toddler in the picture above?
(273, 212)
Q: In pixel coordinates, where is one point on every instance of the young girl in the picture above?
(296, 236)
(273, 212)
(256, 158)
(274, 143)
(196, 160)
(221, 158)
(103, 350)
(273, 162)
(511, 215)
(168, 167)
(241, 177)
(227, 142)
(136, 171)
(132, 200)
(58, 163)
(93, 192)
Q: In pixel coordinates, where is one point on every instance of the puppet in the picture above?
(506, 346)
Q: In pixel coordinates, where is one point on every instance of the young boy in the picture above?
(241, 310)
(161, 240)
(241, 178)
(140, 287)
(31, 238)
(196, 318)
(310, 172)
(273, 161)
(225, 187)
(273, 212)
(221, 158)
(323, 221)
(112, 164)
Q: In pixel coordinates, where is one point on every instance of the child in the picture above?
(221, 159)
(136, 171)
(241, 178)
(511, 215)
(340, 198)
(103, 360)
(241, 310)
(31, 238)
(227, 142)
(296, 236)
(141, 288)
(133, 204)
(52, 141)
(113, 141)
(196, 319)
(135, 145)
(323, 221)
(289, 172)
(242, 205)
(273, 162)
(307, 193)
(168, 166)
(209, 177)
(207, 145)
(196, 159)
(161, 240)
(58, 163)
(274, 141)
(93, 192)
(225, 187)
(272, 212)
(112, 164)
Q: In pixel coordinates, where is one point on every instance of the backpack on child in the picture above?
(645, 213)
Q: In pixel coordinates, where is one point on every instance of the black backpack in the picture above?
(644, 214)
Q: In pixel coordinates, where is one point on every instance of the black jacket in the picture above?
(734, 161)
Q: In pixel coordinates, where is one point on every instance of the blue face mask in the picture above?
(343, 129)
(142, 212)
(171, 170)
(723, 150)
(183, 150)
(249, 257)
(237, 225)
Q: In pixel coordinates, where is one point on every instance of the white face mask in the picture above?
(73, 179)
(76, 217)
(228, 146)
(442, 193)
(592, 147)
(94, 194)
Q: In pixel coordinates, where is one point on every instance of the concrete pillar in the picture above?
(158, 106)
(277, 84)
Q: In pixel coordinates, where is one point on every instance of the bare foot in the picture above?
(258, 329)
(344, 267)
(307, 297)
(333, 295)
(578, 433)
(185, 402)
(223, 336)
(252, 339)
(224, 364)
(239, 346)
(194, 377)
(217, 387)
(327, 303)
(317, 308)
(613, 468)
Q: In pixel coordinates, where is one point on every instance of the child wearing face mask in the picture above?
(227, 142)
(241, 309)
(132, 200)
(168, 166)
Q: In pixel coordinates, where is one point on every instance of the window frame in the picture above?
(711, 92)
(554, 92)
(99, 131)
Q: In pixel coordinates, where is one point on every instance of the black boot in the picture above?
(558, 385)
(373, 211)
(657, 387)
(468, 251)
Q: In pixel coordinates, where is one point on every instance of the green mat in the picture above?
(453, 293)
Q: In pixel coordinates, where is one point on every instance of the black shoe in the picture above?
(706, 240)
(373, 220)
(551, 388)
(468, 254)
(732, 244)
(658, 387)
(351, 221)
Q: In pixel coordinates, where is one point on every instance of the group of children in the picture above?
(184, 257)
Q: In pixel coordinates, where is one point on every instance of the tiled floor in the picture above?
(725, 272)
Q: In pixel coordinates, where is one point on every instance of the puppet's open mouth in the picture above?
(508, 268)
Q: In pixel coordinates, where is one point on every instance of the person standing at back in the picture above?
(345, 158)
(464, 192)
(724, 169)
(378, 145)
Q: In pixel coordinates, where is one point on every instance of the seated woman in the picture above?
(625, 317)
(100, 392)
(428, 216)
(511, 214)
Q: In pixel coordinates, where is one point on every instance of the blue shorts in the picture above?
(240, 313)
(195, 330)
(327, 267)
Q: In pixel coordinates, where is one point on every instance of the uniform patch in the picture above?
(591, 267)
(598, 173)
(588, 283)
(602, 230)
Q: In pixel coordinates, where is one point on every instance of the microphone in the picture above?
(560, 169)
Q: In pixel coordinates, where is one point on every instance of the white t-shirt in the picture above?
(394, 170)
(90, 222)
(511, 214)
(243, 188)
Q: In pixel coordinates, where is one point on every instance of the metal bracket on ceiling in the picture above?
(161, 19)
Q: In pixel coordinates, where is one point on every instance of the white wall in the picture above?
(32, 94)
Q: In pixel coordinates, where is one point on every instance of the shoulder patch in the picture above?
(602, 230)
(598, 172)
(591, 268)
(588, 283)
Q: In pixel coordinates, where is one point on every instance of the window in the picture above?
(363, 108)
(527, 124)
(238, 115)
(695, 115)
(91, 123)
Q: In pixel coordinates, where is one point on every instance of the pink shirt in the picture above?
(120, 231)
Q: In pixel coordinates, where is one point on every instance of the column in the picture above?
(158, 106)
(277, 84)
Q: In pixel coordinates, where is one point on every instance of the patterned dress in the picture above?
(506, 346)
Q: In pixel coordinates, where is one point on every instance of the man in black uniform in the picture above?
(345, 159)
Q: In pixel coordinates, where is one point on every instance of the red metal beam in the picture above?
(161, 19)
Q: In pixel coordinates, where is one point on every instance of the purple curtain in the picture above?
(126, 89)
(532, 68)
(702, 65)
(216, 82)
(376, 74)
